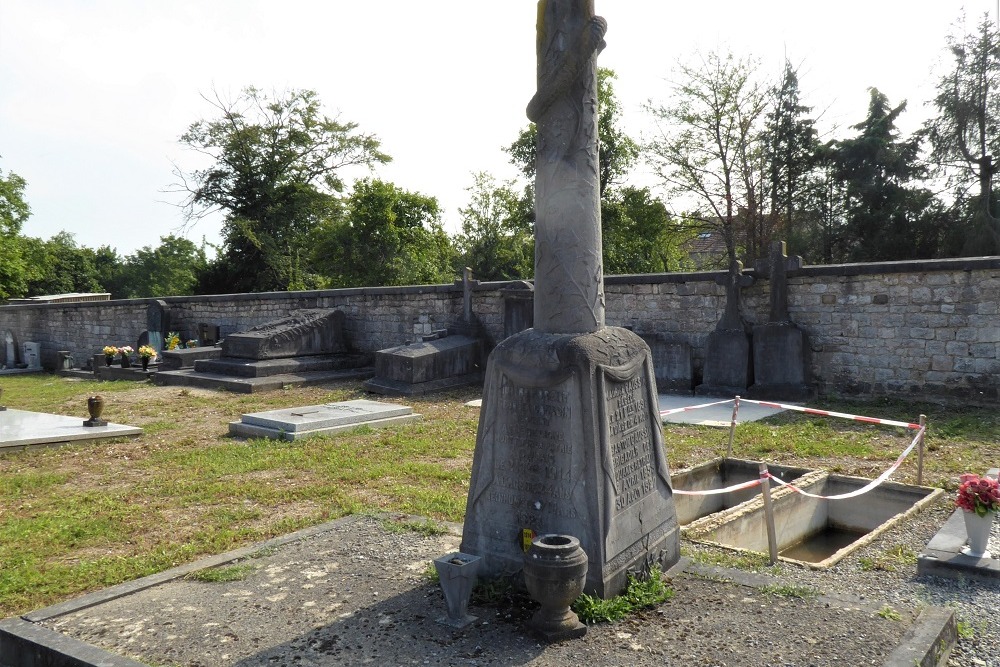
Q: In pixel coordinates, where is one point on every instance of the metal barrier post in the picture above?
(732, 427)
(772, 535)
(920, 450)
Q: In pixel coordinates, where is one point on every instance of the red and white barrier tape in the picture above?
(712, 492)
(664, 413)
(868, 487)
(829, 413)
(865, 489)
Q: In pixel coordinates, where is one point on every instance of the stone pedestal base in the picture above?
(780, 363)
(569, 442)
(727, 369)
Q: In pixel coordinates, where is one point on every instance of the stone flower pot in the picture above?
(457, 575)
(95, 406)
(555, 570)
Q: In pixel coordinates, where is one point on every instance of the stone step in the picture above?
(243, 368)
(253, 385)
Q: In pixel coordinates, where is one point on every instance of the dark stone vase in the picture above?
(109, 359)
(95, 406)
(126, 362)
(555, 570)
(145, 363)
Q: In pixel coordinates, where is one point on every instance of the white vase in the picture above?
(978, 529)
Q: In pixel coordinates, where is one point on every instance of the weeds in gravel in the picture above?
(425, 527)
(889, 614)
(890, 561)
(639, 594)
(790, 591)
(742, 560)
(965, 629)
(224, 574)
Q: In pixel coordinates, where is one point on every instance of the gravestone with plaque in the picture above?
(569, 437)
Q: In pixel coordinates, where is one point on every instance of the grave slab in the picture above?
(943, 556)
(301, 422)
(22, 428)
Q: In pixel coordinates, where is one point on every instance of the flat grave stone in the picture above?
(22, 428)
(301, 422)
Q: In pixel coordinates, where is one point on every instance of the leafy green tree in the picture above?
(639, 235)
(387, 236)
(170, 269)
(965, 135)
(14, 212)
(497, 239)
(887, 218)
(60, 266)
(709, 148)
(275, 173)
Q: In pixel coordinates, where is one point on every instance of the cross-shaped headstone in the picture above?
(467, 294)
(734, 281)
(776, 268)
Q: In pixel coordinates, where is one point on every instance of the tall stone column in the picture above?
(569, 437)
(569, 272)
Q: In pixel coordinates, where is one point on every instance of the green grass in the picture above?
(86, 516)
(790, 591)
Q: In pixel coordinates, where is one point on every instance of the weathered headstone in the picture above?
(10, 359)
(672, 365)
(518, 307)
(727, 370)
(208, 334)
(569, 436)
(32, 355)
(157, 323)
(780, 348)
(303, 333)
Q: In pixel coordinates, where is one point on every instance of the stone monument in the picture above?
(728, 370)
(569, 437)
(780, 348)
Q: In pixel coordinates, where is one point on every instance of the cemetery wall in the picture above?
(929, 329)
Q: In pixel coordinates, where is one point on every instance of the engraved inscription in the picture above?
(533, 471)
(630, 441)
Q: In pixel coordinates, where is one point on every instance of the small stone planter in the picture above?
(555, 571)
(457, 574)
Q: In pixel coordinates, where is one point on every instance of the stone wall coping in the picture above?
(867, 268)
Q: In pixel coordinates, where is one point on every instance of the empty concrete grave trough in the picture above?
(816, 532)
(721, 473)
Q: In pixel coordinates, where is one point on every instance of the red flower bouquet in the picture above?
(978, 494)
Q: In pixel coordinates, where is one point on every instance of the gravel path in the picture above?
(358, 594)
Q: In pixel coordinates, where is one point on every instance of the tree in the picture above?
(965, 134)
(275, 173)
(170, 269)
(709, 148)
(791, 146)
(60, 266)
(617, 152)
(887, 219)
(640, 236)
(388, 236)
(497, 240)
(14, 212)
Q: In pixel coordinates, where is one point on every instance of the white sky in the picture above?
(95, 93)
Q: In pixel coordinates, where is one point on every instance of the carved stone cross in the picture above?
(776, 268)
(467, 294)
(734, 281)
